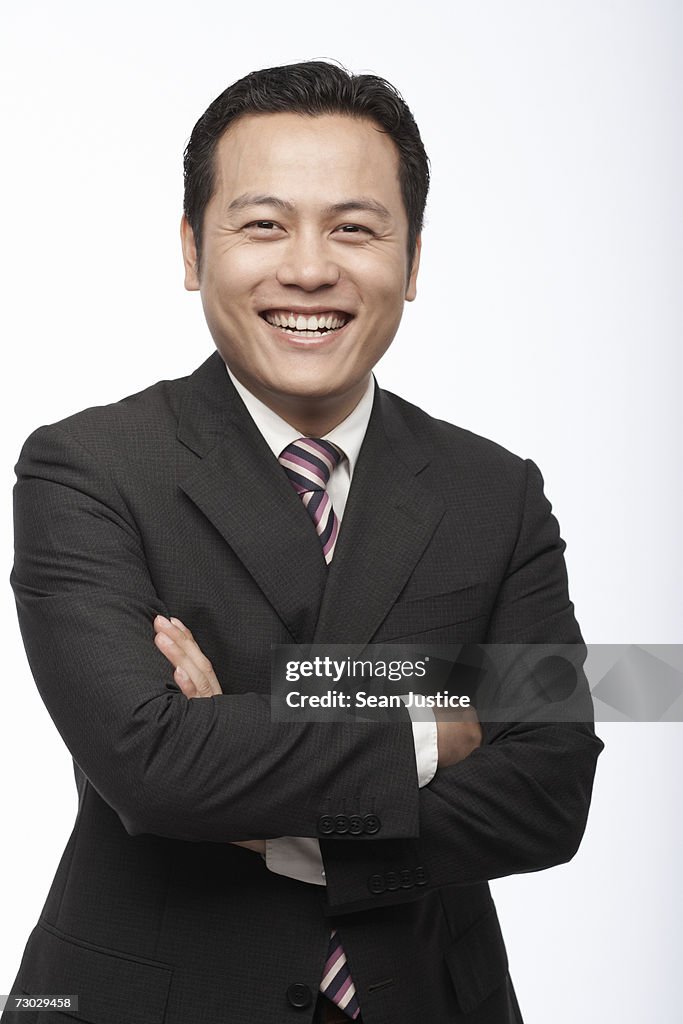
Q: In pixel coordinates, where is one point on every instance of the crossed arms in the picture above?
(220, 770)
(458, 732)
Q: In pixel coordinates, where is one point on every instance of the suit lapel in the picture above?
(239, 486)
(391, 514)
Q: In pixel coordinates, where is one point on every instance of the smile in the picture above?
(304, 326)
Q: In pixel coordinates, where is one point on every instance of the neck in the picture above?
(311, 416)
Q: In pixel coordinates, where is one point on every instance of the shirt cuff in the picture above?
(296, 857)
(425, 740)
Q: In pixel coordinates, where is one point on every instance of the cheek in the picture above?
(234, 280)
(387, 301)
(382, 283)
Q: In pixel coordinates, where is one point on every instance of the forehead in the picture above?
(326, 157)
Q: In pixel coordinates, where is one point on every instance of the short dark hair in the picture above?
(315, 88)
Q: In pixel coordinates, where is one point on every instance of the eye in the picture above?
(354, 233)
(262, 227)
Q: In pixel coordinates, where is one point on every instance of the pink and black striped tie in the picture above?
(308, 462)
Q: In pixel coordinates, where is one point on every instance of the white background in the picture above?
(548, 317)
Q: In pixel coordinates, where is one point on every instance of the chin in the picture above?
(312, 385)
(315, 391)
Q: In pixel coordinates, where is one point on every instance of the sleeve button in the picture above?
(371, 824)
(325, 824)
(420, 876)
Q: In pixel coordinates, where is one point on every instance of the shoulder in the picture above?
(141, 424)
(155, 408)
(455, 449)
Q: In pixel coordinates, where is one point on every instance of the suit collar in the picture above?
(347, 435)
(391, 514)
(239, 486)
(210, 405)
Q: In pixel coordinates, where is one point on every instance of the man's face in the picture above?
(304, 267)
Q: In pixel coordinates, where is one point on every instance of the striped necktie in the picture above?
(308, 462)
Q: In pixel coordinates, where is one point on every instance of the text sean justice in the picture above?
(362, 699)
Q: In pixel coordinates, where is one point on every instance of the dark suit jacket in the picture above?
(170, 501)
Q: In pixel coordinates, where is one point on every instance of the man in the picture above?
(225, 867)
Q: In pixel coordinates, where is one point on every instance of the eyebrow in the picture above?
(251, 199)
(347, 206)
(364, 205)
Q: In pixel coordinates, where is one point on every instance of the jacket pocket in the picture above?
(418, 615)
(477, 961)
(111, 986)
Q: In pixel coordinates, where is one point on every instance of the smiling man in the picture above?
(305, 259)
(225, 867)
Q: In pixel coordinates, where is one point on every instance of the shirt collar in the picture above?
(277, 433)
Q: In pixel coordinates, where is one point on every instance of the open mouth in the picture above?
(305, 326)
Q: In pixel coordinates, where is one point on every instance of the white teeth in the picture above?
(299, 322)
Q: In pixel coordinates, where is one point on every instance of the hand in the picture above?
(458, 733)
(194, 675)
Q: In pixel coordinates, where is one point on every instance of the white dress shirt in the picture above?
(298, 856)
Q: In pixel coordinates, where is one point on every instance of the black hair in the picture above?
(315, 88)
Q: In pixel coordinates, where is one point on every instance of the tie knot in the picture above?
(309, 461)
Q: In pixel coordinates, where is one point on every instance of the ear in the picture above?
(411, 290)
(189, 256)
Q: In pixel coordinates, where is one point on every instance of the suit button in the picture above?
(325, 824)
(376, 884)
(407, 879)
(356, 826)
(392, 881)
(299, 996)
(420, 876)
(371, 824)
(341, 824)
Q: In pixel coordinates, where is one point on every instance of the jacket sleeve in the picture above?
(212, 769)
(519, 802)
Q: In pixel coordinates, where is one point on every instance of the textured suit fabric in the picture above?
(146, 506)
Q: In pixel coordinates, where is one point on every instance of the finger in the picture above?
(201, 668)
(202, 686)
(161, 622)
(182, 627)
(184, 639)
(189, 687)
(205, 686)
(184, 682)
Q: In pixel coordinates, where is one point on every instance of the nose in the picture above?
(308, 263)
